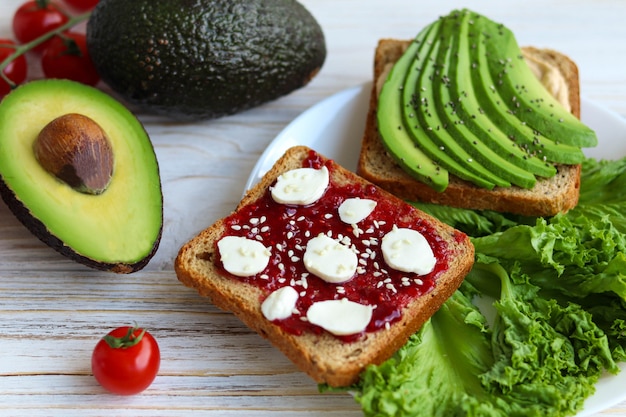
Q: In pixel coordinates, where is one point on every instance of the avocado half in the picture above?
(116, 229)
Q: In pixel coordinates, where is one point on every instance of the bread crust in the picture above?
(324, 357)
(547, 198)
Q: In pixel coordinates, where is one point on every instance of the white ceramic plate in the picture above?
(334, 128)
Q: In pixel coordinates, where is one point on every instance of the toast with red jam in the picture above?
(334, 271)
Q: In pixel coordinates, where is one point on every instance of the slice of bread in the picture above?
(549, 196)
(325, 357)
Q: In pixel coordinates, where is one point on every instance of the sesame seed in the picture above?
(391, 287)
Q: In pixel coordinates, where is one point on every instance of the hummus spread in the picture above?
(549, 75)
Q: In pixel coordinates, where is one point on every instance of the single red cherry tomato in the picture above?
(36, 18)
(126, 360)
(15, 70)
(67, 57)
(81, 5)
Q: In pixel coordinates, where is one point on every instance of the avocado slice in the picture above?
(193, 60)
(507, 120)
(430, 132)
(112, 223)
(394, 135)
(483, 137)
(522, 91)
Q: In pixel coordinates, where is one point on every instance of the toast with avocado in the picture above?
(332, 270)
(449, 123)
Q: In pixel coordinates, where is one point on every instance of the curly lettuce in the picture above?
(541, 316)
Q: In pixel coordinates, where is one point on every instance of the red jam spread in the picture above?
(286, 229)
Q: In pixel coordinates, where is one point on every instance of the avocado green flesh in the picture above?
(395, 137)
(120, 226)
(472, 122)
(444, 94)
(430, 132)
(521, 133)
(525, 94)
(489, 133)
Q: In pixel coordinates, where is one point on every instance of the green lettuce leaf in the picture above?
(437, 372)
(552, 316)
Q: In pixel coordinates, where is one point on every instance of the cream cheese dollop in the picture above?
(354, 210)
(243, 257)
(329, 259)
(407, 250)
(301, 186)
(340, 317)
(280, 304)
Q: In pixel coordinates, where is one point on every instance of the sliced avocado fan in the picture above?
(462, 100)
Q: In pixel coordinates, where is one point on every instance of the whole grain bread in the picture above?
(547, 198)
(326, 358)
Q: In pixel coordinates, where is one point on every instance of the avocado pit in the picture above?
(76, 150)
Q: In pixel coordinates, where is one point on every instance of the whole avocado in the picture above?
(202, 59)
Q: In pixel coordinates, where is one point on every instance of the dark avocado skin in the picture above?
(202, 59)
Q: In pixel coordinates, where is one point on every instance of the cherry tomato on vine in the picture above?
(126, 360)
(81, 5)
(36, 18)
(66, 56)
(15, 71)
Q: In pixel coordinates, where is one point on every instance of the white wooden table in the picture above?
(53, 311)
